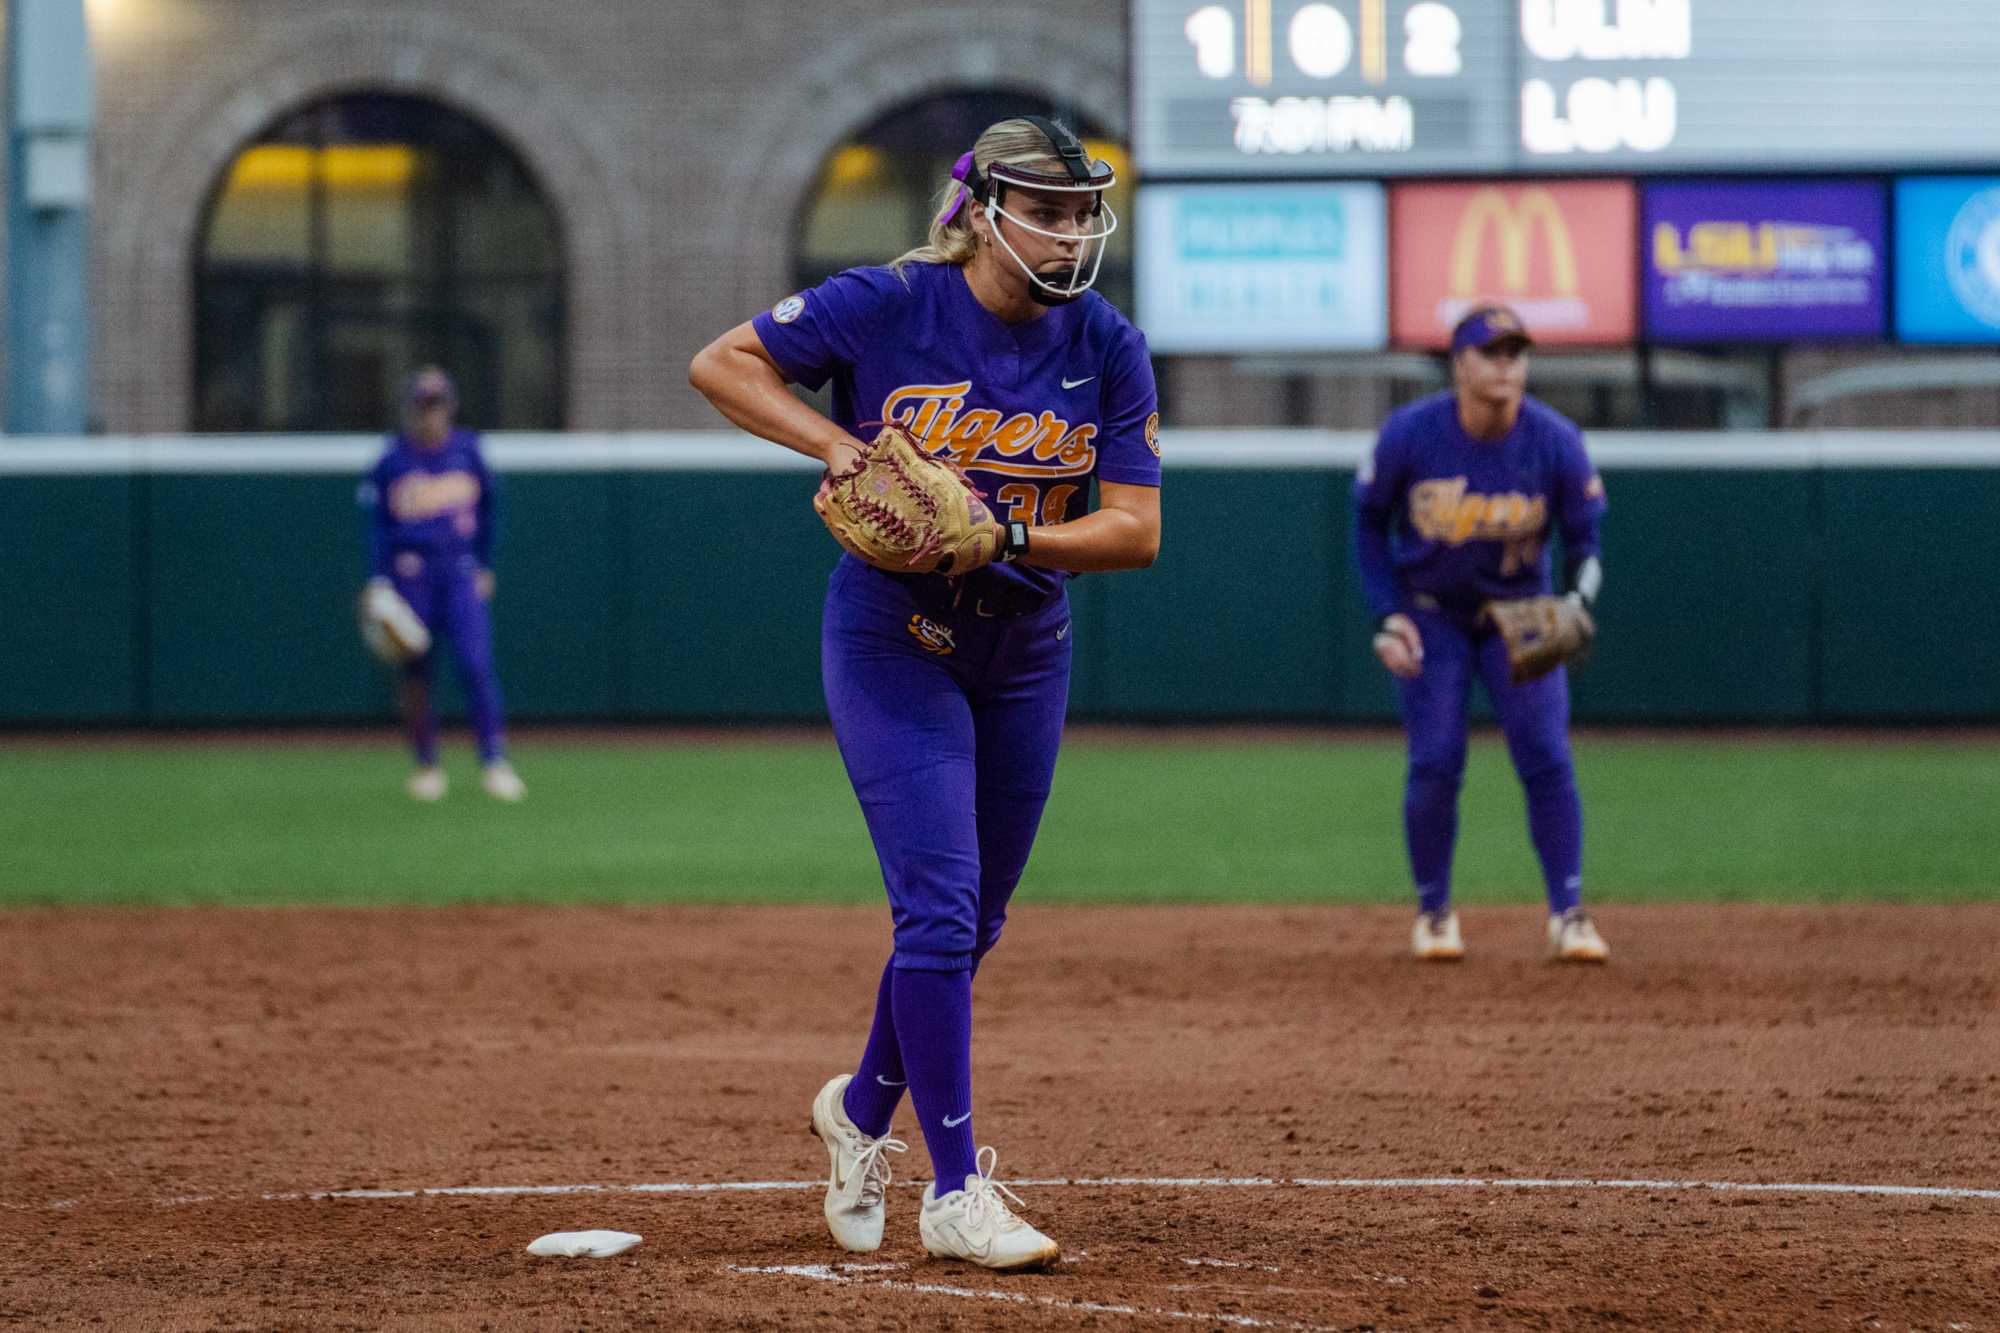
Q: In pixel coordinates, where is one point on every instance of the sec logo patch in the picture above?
(1153, 434)
(789, 309)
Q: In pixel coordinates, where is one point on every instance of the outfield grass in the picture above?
(1133, 819)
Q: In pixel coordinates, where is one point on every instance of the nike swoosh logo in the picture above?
(1077, 384)
(890, 1082)
(1063, 633)
(950, 1123)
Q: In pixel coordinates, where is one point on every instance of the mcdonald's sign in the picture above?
(1560, 252)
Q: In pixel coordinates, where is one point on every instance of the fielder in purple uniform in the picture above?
(432, 509)
(1453, 509)
(947, 694)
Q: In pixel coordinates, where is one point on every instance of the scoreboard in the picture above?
(1354, 87)
(1301, 89)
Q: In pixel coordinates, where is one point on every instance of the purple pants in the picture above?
(948, 721)
(1533, 716)
(446, 598)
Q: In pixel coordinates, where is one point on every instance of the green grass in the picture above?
(1192, 819)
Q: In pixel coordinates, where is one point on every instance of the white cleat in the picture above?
(501, 782)
(427, 784)
(974, 1224)
(1435, 938)
(1573, 939)
(859, 1175)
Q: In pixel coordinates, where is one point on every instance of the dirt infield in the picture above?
(1500, 1143)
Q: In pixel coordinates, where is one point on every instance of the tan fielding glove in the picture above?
(389, 627)
(1541, 633)
(901, 509)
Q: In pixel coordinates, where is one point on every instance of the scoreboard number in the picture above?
(1322, 42)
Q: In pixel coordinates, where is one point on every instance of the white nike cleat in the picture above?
(1435, 937)
(859, 1175)
(427, 784)
(501, 782)
(974, 1224)
(1573, 939)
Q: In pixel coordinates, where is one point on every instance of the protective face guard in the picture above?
(1080, 175)
(1092, 179)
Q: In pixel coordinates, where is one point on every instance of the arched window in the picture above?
(358, 238)
(875, 192)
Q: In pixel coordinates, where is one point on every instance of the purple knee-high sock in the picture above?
(488, 729)
(877, 1087)
(1555, 826)
(1430, 826)
(424, 741)
(934, 1028)
(420, 721)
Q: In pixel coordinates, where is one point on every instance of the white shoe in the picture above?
(1573, 939)
(1435, 937)
(974, 1224)
(859, 1175)
(502, 783)
(427, 784)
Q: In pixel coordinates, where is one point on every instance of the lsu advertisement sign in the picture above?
(1760, 261)
(1948, 259)
(1558, 252)
(1228, 268)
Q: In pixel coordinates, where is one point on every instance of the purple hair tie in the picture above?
(958, 173)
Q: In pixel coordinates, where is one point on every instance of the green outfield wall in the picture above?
(173, 581)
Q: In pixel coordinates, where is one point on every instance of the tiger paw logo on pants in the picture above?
(934, 637)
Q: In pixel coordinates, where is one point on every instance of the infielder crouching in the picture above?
(1453, 513)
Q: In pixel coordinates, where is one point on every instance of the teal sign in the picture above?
(1232, 269)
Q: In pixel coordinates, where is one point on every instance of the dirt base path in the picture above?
(1500, 1143)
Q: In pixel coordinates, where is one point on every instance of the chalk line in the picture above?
(1362, 1183)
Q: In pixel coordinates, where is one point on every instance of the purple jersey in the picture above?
(1031, 411)
(1459, 521)
(438, 503)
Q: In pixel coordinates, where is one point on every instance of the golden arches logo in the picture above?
(1513, 225)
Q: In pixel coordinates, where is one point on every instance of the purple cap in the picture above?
(1488, 324)
(431, 385)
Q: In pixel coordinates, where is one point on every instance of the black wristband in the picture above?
(1013, 539)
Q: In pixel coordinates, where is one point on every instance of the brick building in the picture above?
(675, 153)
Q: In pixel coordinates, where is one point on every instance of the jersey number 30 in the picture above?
(1019, 500)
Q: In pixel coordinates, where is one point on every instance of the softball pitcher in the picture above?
(432, 508)
(1453, 512)
(947, 695)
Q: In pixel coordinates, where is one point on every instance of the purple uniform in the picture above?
(1443, 524)
(431, 527)
(1056, 401)
(947, 696)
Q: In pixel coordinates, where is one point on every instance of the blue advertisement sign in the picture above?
(1758, 261)
(1263, 268)
(1948, 259)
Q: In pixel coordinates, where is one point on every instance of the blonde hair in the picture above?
(1014, 142)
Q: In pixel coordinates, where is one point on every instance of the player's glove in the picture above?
(389, 627)
(1541, 633)
(898, 508)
